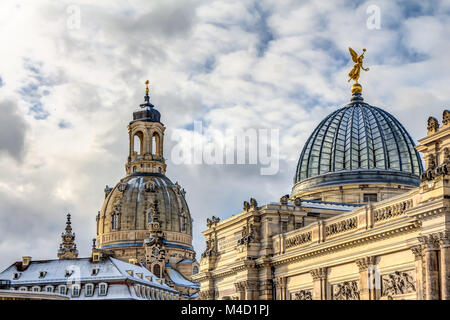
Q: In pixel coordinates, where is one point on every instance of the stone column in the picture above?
(430, 247)
(369, 288)
(240, 289)
(251, 290)
(418, 255)
(444, 264)
(265, 289)
(280, 285)
(319, 276)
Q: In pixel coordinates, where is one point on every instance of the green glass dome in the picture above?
(358, 143)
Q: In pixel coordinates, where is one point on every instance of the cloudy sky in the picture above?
(72, 73)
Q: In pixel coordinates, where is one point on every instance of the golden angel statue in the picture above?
(354, 74)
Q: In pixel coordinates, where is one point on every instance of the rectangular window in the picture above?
(102, 289)
(75, 291)
(89, 290)
(370, 197)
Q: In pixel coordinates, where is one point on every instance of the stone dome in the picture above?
(358, 143)
(138, 196)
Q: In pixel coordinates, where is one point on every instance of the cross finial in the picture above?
(146, 86)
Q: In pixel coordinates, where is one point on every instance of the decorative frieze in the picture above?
(302, 295)
(298, 239)
(341, 226)
(397, 283)
(347, 290)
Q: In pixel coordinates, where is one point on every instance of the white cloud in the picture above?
(214, 61)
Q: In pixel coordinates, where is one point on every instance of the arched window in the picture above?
(115, 221)
(138, 143)
(195, 270)
(183, 223)
(156, 150)
(157, 270)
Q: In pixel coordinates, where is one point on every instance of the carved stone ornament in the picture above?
(284, 200)
(397, 283)
(302, 295)
(253, 204)
(364, 263)
(417, 251)
(433, 125)
(246, 206)
(210, 248)
(249, 234)
(319, 273)
(446, 117)
(298, 202)
(122, 187)
(430, 241)
(347, 290)
(210, 222)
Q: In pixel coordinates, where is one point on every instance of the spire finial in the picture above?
(146, 97)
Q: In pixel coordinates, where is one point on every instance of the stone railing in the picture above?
(298, 239)
(341, 226)
(391, 211)
(362, 218)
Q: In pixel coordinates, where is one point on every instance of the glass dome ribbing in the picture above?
(358, 137)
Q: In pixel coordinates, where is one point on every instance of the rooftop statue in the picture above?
(354, 74)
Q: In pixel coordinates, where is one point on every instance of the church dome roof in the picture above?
(358, 143)
(141, 197)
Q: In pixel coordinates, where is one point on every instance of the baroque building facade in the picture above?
(143, 246)
(364, 221)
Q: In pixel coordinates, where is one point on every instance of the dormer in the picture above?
(42, 274)
(95, 271)
(68, 273)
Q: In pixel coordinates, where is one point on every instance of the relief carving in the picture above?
(248, 235)
(302, 295)
(397, 283)
(347, 290)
